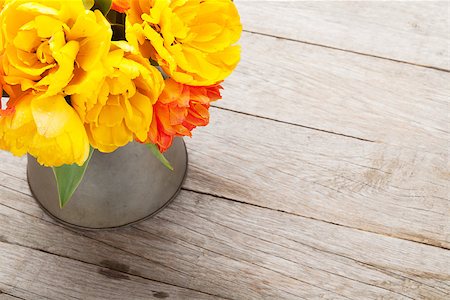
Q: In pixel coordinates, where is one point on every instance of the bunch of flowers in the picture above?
(85, 74)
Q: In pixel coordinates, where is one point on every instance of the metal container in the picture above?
(118, 189)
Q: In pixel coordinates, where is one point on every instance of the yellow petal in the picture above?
(47, 26)
(51, 115)
(110, 116)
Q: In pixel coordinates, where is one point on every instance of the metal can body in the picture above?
(118, 189)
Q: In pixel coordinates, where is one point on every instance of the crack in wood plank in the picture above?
(17, 191)
(293, 124)
(20, 289)
(311, 218)
(349, 51)
(14, 176)
(11, 295)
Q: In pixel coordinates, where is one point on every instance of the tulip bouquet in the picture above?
(97, 74)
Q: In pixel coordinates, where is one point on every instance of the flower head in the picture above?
(122, 108)
(44, 43)
(180, 109)
(47, 128)
(192, 40)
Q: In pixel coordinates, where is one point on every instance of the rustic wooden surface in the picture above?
(324, 174)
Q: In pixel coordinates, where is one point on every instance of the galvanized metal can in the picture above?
(118, 189)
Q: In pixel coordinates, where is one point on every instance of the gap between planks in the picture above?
(348, 51)
(8, 296)
(402, 31)
(293, 124)
(21, 297)
(310, 218)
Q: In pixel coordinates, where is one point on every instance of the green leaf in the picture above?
(103, 5)
(68, 178)
(88, 4)
(155, 151)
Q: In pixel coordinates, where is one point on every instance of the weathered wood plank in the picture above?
(48, 276)
(221, 247)
(416, 32)
(341, 92)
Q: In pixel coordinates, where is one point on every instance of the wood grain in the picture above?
(416, 32)
(393, 190)
(340, 92)
(209, 246)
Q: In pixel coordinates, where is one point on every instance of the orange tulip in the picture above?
(120, 5)
(180, 109)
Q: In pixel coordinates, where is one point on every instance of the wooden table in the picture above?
(323, 174)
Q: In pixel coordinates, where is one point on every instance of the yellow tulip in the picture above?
(44, 43)
(192, 40)
(46, 127)
(122, 108)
